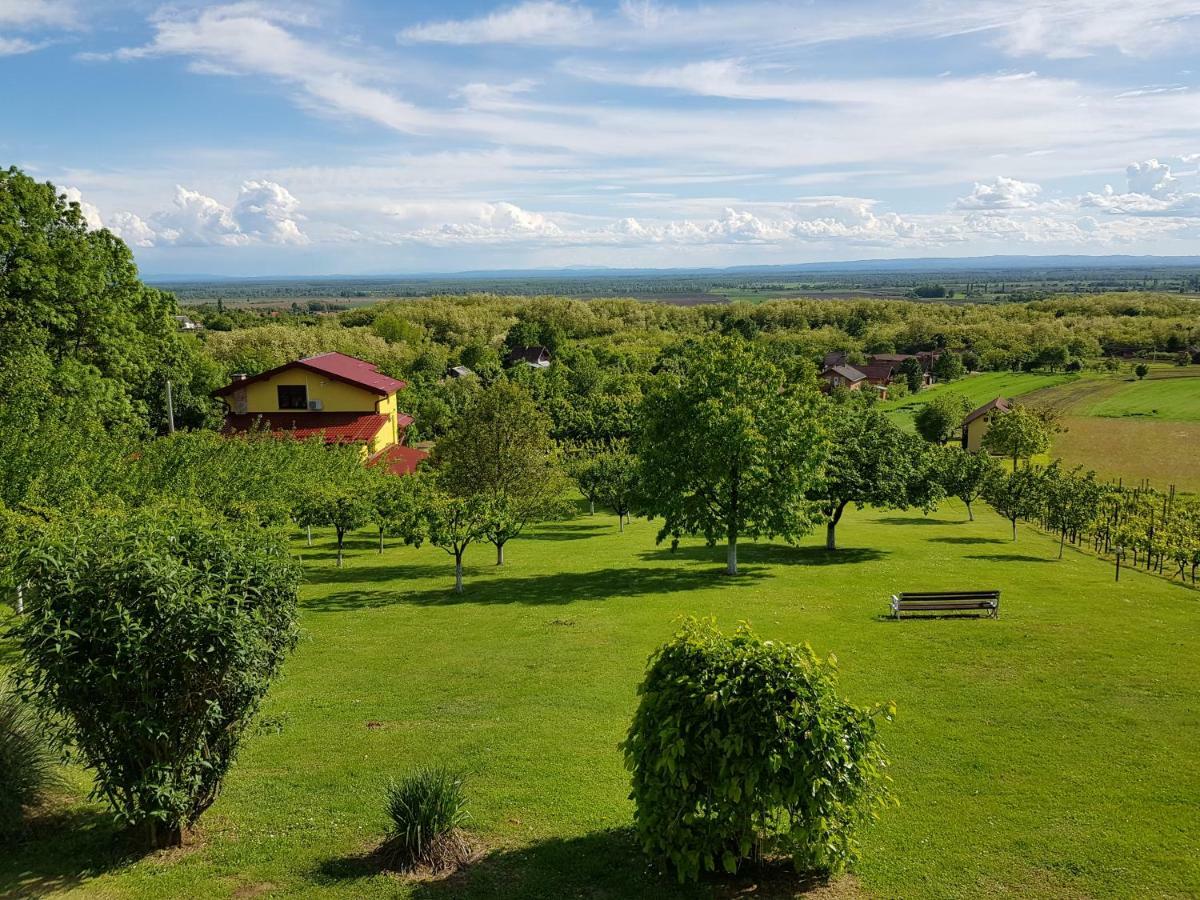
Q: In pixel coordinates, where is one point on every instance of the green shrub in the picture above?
(428, 810)
(741, 749)
(28, 763)
(154, 635)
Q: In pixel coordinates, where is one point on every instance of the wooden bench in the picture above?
(943, 601)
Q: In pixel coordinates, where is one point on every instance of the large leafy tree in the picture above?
(500, 449)
(453, 522)
(619, 480)
(729, 445)
(965, 474)
(871, 462)
(1019, 494)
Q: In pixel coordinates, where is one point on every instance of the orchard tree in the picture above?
(965, 475)
(396, 504)
(1016, 495)
(871, 462)
(914, 375)
(729, 445)
(584, 472)
(941, 418)
(617, 471)
(1018, 433)
(1141, 370)
(345, 507)
(948, 367)
(501, 450)
(453, 522)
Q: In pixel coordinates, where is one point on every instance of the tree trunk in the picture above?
(1062, 537)
(340, 535)
(20, 599)
(620, 522)
(591, 507)
(381, 539)
(970, 513)
(308, 528)
(1014, 527)
(731, 556)
(458, 589)
(831, 535)
(500, 554)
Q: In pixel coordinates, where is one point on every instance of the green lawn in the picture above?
(1169, 398)
(979, 388)
(1054, 752)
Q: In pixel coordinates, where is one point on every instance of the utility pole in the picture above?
(170, 410)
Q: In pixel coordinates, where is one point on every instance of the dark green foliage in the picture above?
(28, 762)
(940, 420)
(1141, 370)
(153, 636)
(1019, 494)
(914, 375)
(948, 367)
(427, 809)
(742, 749)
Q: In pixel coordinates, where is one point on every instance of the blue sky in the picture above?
(373, 137)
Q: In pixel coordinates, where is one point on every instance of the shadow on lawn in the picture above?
(966, 540)
(62, 850)
(537, 590)
(772, 554)
(361, 571)
(601, 864)
(1011, 557)
(568, 532)
(917, 520)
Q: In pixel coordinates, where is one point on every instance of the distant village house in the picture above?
(534, 357)
(977, 422)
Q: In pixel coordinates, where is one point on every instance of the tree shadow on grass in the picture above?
(358, 571)
(772, 554)
(541, 590)
(917, 520)
(966, 540)
(1011, 557)
(568, 531)
(62, 849)
(600, 864)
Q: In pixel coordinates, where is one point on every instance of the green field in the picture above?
(981, 387)
(1173, 399)
(1054, 752)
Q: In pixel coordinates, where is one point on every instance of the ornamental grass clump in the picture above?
(28, 762)
(428, 811)
(742, 750)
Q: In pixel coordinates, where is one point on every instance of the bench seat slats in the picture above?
(918, 601)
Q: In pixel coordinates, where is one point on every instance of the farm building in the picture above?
(534, 357)
(977, 422)
(842, 376)
(342, 399)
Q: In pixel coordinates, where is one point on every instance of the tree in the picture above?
(941, 418)
(501, 450)
(965, 475)
(1071, 500)
(871, 462)
(948, 367)
(617, 473)
(453, 522)
(396, 501)
(728, 445)
(1141, 370)
(153, 636)
(1018, 433)
(914, 375)
(1015, 495)
(345, 506)
(586, 475)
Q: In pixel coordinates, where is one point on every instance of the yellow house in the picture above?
(343, 399)
(977, 423)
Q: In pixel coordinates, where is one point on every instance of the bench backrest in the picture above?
(948, 595)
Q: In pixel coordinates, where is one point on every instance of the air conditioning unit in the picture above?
(315, 405)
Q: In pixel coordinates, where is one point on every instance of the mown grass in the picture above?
(1052, 752)
(979, 388)
(1167, 398)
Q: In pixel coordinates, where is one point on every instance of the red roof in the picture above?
(334, 427)
(339, 366)
(999, 404)
(400, 460)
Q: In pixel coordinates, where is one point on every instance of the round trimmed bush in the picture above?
(741, 749)
(28, 763)
(153, 635)
(428, 810)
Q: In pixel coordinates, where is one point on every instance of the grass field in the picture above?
(1054, 752)
(1172, 399)
(981, 387)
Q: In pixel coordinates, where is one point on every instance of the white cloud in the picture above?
(132, 230)
(533, 21)
(266, 211)
(37, 13)
(1149, 177)
(91, 214)
(17, 46)
(1000, 193)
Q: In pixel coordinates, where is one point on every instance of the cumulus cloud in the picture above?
(1000, 193)
(130, 228)
(91, 213)
(1153, 191)
(267, 211)
(1149, 177)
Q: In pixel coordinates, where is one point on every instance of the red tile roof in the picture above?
(398, 459)
(334, 427)
(998, 404)
(338, 366)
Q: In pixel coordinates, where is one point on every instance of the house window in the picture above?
(293, 396)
